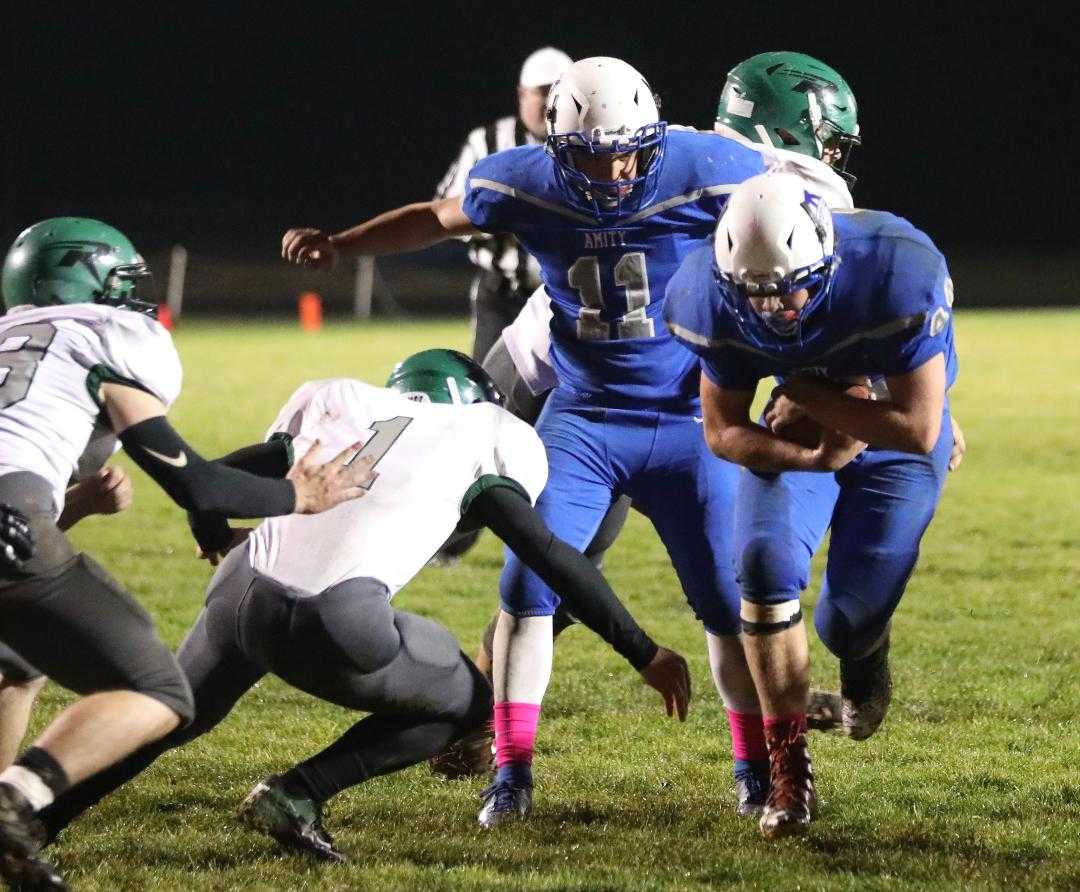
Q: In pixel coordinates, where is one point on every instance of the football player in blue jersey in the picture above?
(852, 310)
(609, 206)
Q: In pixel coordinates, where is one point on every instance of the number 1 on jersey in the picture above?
(386, 434)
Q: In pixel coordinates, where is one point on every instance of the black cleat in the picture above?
(503, 804)
(863, 702)
(21, 833)
(30, 875)
(752, 789)
(866, 691)
(294, 821)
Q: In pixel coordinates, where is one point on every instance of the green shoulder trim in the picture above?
(287, 440)
(489, 481)
(102, 374)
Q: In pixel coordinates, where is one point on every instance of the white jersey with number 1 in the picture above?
(53, 361)
(431, 461)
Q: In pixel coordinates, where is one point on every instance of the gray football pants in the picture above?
(346, 645)
(62, 615)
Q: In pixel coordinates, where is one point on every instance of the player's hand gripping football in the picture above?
(669, 674)
(321, 487)
(16, 542)
(780, 412)
(309, 247)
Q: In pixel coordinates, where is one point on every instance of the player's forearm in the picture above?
(883, 424)
(270, 459)
(759, 449)
(409, 228)
(198, 485)
(593, 602)
(568, 572)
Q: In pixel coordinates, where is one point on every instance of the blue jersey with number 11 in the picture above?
(607, 280)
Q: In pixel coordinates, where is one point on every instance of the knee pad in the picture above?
(772, 569)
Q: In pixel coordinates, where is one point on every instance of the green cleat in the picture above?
(294, 821)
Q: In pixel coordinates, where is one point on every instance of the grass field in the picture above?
(974, 782)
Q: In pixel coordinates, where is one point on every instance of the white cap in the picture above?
(544, 67)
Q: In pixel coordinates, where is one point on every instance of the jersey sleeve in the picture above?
(489, 192)
(138, 351)
(517, 460)
(920, 299)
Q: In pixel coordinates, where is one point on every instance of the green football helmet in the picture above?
(443, 376)
(73, 260)
(792, 101)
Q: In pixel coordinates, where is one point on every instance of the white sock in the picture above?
(521, 662)
(730, 673)
(29, 784)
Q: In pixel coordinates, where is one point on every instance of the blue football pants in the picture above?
(660, 459)
(878, 507)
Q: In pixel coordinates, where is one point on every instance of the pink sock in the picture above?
(785, 725)
(747, 736)
(515, 732)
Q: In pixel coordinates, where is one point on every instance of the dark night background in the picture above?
(221, 125)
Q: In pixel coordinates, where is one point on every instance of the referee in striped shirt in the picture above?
(506, 275)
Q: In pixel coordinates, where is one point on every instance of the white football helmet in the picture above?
(774, 237)
(603, 106)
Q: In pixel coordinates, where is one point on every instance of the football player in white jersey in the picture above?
(308, 598)
(85, 367)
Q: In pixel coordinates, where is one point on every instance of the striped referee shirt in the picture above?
(500, 253)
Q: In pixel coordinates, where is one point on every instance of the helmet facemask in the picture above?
(781, 328)
(130, 286)
(610, 197)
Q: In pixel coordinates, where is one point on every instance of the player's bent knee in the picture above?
(173, 691)
(843, 637)
(771, 569)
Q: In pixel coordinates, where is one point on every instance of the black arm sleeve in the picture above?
(270, 459)
(509, 516)
(198, 485)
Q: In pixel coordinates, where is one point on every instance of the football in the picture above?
(806, 431)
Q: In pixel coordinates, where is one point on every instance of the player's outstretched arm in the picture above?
(909, 421)
(198, 485)
(409, 228)
(508, 514)
(734, 436)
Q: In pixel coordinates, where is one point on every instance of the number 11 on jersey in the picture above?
(630, 273)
